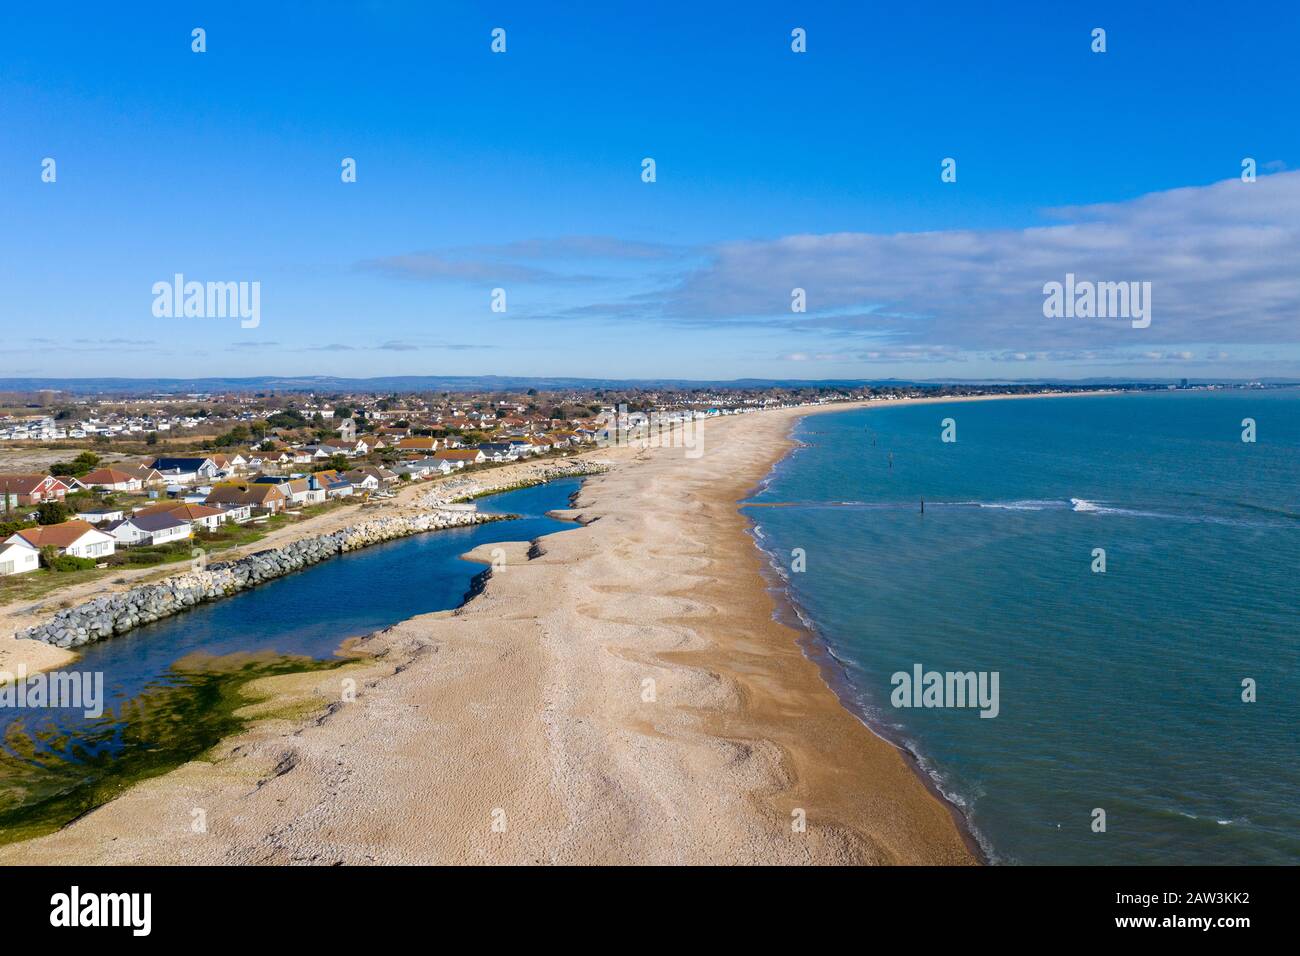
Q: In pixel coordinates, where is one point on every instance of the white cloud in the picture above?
(1221, 259)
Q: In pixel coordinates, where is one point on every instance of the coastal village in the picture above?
(139, 481)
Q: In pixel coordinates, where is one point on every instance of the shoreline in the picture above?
(817, 648)
(33, 656)
(534, 690)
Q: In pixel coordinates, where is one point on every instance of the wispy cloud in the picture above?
(1221, 261)
(580, 247)
(114, 341)
(391, 345)
(517, 262)
(435, 266)
(89, 345)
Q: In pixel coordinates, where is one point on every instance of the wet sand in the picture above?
(619, 694)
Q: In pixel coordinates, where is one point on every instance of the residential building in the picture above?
(268, 498)
(498, 451)
(361, 480)
(235, 513)
(112, 479)
(424, 468)
(353, 448)
(149, 476)
(335, 485)
(305, 491)
(18, 556)
(418, 443)
(76, 538)
(186, 471)
(154, 529)
(100, 515)
(231, 464)
(199, 516)
(32, 489)
(463, 456)
(381, 475)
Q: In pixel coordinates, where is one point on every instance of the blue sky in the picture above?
(774, 170)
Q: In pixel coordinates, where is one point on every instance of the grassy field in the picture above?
(17, 458)
(40, 584)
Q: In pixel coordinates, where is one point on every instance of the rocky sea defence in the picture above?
(441, 507)
(476, 484)
(118, 613)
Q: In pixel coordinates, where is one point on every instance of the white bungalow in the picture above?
(100, 515)
(75, 538)
(18, 557)
(112, 479)
(149, 529)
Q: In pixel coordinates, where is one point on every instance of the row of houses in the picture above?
(211, 490)
(46, 428)
(160, 524)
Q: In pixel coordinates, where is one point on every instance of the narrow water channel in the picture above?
(171, 688)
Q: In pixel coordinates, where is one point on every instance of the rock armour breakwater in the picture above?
(118, 613)
(476, 484)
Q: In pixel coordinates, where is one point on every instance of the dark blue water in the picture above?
(1118, 690)
(309, 613)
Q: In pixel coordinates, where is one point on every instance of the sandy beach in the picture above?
(619, 694)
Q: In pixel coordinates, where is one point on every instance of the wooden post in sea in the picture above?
(922, 506)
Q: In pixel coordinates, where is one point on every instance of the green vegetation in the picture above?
(48, 779)
(88, 500)
(148, 555)
(239, 435)
(12, 527)
(86, 462)
(53, 512)
(40, 584)
(289, 418)
(64, 562)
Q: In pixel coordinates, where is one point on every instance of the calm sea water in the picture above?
(1119, 690)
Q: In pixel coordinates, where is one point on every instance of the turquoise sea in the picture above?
(1119, 691)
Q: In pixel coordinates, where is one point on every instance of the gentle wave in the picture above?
(1030, 505)
(1085, 506)
(1275, 517)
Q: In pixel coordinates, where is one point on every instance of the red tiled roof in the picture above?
(107, 476)
(59, 535)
